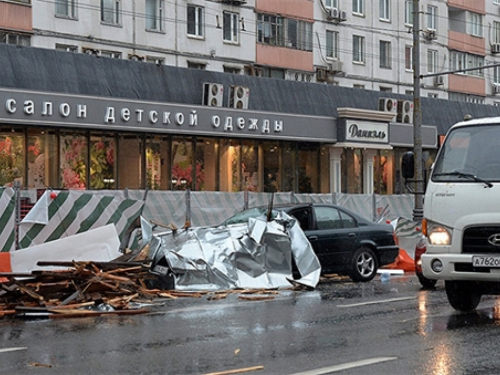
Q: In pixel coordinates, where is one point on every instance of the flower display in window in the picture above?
(182, 174)
(11, 160)
(153, 167)
(102, 160)
(73, 157)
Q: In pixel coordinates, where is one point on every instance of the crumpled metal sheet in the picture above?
(254, 255)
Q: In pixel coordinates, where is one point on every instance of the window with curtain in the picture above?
(110, 11)
(230, 27)
(154, 15)
(358, 49)
(195, 20)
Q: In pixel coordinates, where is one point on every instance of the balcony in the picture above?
(16, 16)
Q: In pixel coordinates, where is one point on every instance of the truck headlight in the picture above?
(438, 235)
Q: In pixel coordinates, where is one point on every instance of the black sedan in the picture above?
(345, 242)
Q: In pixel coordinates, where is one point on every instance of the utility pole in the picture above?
(418, 211)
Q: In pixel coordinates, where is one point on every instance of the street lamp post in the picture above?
(418, 211)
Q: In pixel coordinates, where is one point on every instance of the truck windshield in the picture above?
(469, 154)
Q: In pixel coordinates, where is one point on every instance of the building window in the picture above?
(432, 95)
(232, 70)
(331, 3)
(15, 38)
(432, 56)
(299, 34)
(496, 75)
(154, 15)
(230, 27)
(474, 24)
(196, 65)
(385, 89)
(409, 58)
(358, 6)
(358, 49)
(270, 30)
(110, 11)
(409, 12)
(111, 54)
(385, 10)
(195, 20)
(66, 47)
(463, 60)
(155, 60)
(66, 8)
(431, 17)
(332, 44)
(496, 32)
(284, 32)
(385, 54)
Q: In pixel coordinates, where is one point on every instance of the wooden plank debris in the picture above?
(82, 287)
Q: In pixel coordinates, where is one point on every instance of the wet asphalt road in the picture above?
(339, 328)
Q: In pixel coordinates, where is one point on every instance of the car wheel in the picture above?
(462, 295)
(425, 282)
(364, 265)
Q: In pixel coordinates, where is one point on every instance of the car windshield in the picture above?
(243, 216)
(469, 154)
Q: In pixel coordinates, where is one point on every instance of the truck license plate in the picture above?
(484, 261)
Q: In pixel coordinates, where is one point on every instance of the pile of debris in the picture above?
(85, 289)
(81, 289)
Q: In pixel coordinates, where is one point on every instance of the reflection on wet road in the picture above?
(341, 327)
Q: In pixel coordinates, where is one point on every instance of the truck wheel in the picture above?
(364, 265)
(425, 282)
(462, 295)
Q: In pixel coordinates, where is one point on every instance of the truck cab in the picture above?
(461, 220)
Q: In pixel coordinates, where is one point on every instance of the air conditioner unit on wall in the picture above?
(496, 88)
(335, 66)
(438, 80)
(495, 48)
(238, 97)
(213, 94)
(388, 105)
(333, 13)
(343, 15)
(430, 34)
(405, 111)
(321, 75)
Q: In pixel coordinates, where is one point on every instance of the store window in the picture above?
(352, 176)
(271, 166)
(182, 164)
(11, 157)
(290, 170)
(73, 160)
(102, 161)
(308, 176)
(205, 158)
(250, 166)
(383, 168)
(129, 162)
(42, 159)
(157, 165)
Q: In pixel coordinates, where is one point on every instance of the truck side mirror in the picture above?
(408, 165)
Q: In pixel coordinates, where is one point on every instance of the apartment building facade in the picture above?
(354, 43)
(350, 44)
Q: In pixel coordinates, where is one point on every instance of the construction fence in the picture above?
(30, 217)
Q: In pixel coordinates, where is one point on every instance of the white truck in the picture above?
(461, 219)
